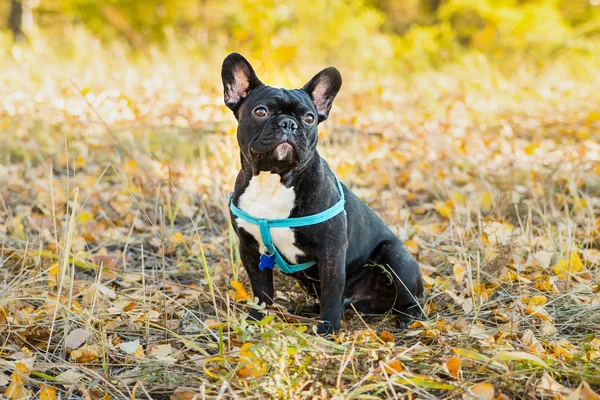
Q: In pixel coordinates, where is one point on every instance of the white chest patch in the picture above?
(266, 197)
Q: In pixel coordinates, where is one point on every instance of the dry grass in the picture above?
(113, 219)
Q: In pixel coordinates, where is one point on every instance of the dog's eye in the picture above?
(260, 112)
(309, 118)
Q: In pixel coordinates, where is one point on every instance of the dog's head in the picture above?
(277, 128)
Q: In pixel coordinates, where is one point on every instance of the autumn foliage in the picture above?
(120, 274)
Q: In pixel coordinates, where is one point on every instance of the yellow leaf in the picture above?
(563, 268)
(482, 391)
(459, 273)
(54, 269)
(452, 366)
(47, 392)
(177, 238)
(139, 352)
(393, 367)
(486, 202)
(239, 293)
(537, 300)
(15, 391)
(411, 246)
(131, 167)
(444, 209)
(89, 353)
(85, 216)
(530, 149)
(457, 197)
(592, 117)
(252, 366)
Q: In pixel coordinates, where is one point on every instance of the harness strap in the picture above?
(265, 225)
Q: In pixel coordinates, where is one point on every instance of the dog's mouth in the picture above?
(284, 151)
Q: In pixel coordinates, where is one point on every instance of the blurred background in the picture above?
(472, 127)
(369, 36)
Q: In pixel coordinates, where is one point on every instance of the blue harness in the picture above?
(273, 257)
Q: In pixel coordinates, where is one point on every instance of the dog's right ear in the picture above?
(239, 79)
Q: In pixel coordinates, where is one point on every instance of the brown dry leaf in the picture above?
(393, 367)
(161, 350)
(531, 343)
(129, 306)
(89, 353)
(584, 392)
(548, 384)
(480, 391)
(239, 293)
(76, 338)
(47, 392)
(4, 381)
(452, 366)
(184, 396)
(387, 337)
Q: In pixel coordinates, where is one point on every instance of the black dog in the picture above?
(359, 260)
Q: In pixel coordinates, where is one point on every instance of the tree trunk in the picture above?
(15, 20)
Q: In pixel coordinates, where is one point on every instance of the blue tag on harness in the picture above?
(267, 261)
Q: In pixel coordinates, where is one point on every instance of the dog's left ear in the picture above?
(322, 89)
(239, 79)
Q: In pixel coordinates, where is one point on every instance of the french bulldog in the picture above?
(359, 261)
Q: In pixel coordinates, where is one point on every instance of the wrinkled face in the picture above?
(277, 128)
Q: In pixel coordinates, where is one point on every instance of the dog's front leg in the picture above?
(261, 281)
(332, 273)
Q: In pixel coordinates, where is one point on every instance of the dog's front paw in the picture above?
(408, 315)
(327, 328)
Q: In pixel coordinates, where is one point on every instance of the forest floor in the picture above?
(120, 277)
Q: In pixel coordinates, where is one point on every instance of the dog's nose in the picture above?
(288, 125)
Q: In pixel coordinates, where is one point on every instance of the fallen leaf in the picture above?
(251, 366)
(548, 384)
(161, 351)
(239, 293)
(69, 377)
(16, 388)
(565, 268)
(481, 391)
(444, 208)
(486, 202)
(393, 367)
(184, 396)
(423, 381)
(519, 356)
(76, 338)
(387, 337)
(129, 347)
(47, 392)
(89, 353)
(452, 366)
(177, 238)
